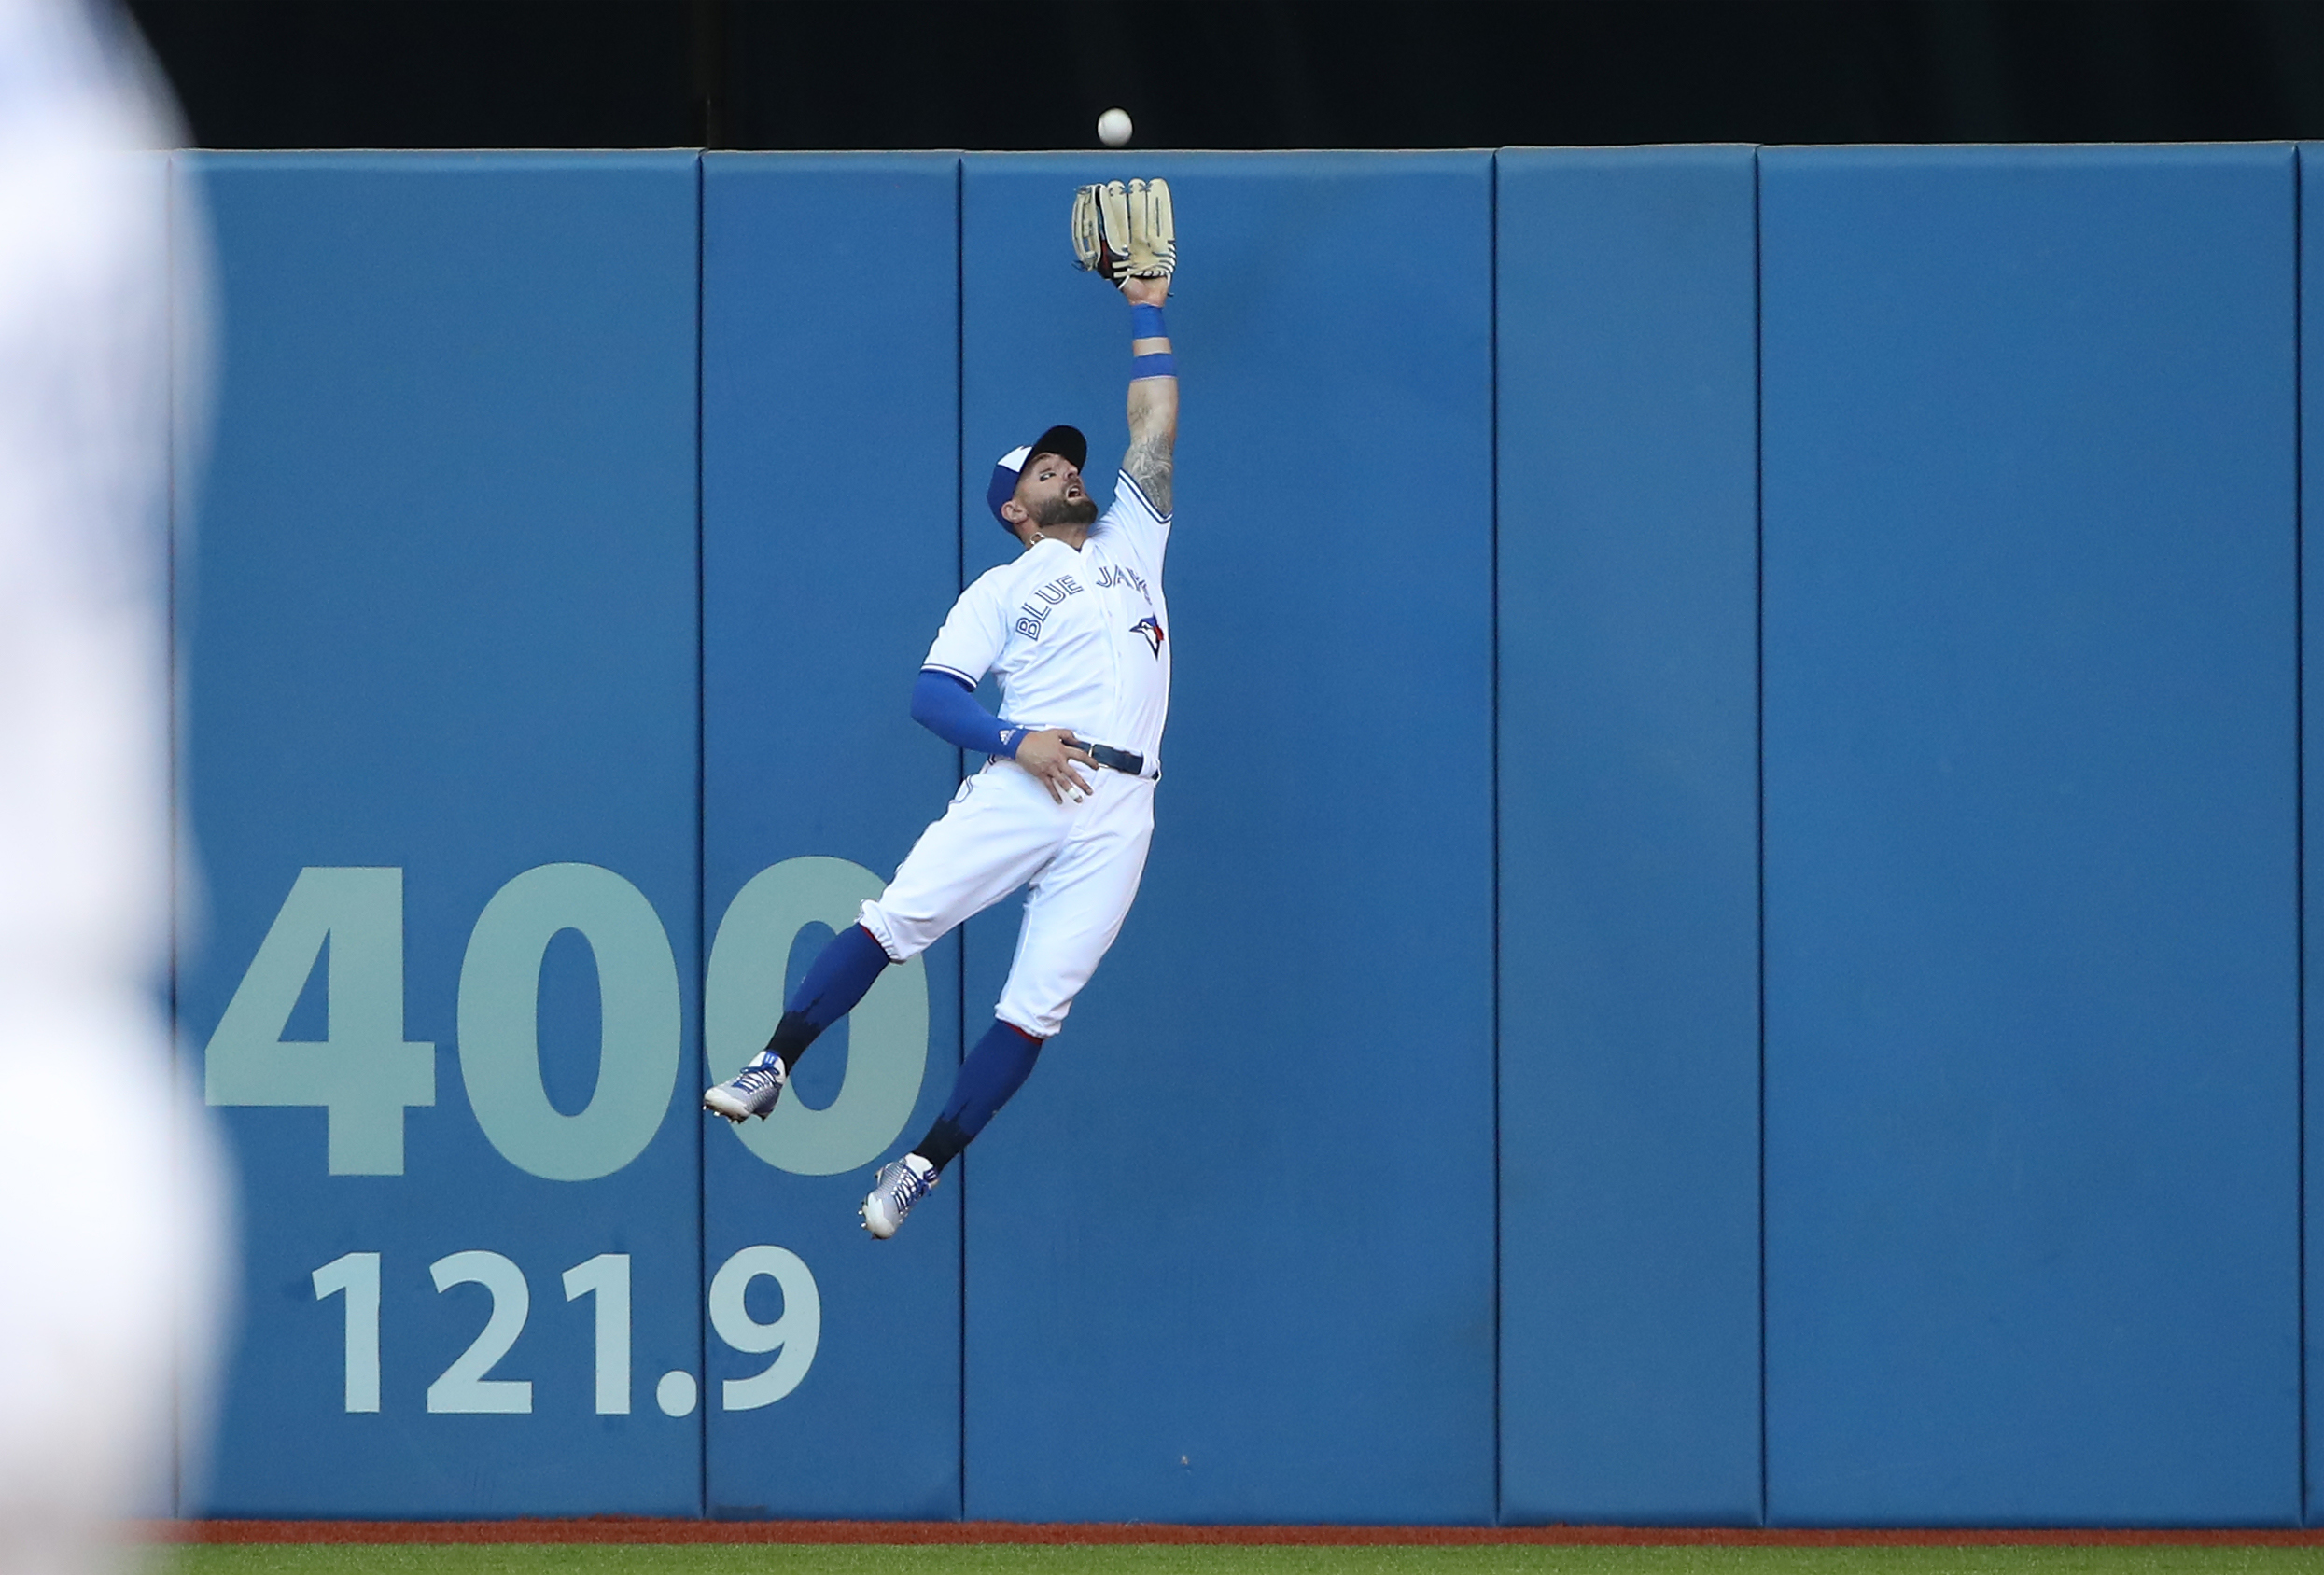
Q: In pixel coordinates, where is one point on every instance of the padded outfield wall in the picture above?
(1725, 939)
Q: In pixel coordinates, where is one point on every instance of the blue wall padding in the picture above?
(2032, 1055)
(1923, 584)
(444, 590)
(2311, 773)
(830, 555)
(1230, 1252)
(1629, 769)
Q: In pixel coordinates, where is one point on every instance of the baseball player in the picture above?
(1077, 632)
(112, 1234)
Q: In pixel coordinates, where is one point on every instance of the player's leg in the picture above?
(1075, 909)
(841, 975)
(996, 1069)
(1000, 827)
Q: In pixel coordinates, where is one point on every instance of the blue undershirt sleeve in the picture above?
(946, 707)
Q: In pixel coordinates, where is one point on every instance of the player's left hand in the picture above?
(1050, 756)
(1127, 232)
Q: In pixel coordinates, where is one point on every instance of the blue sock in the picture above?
(995, 1070)
(842, 974)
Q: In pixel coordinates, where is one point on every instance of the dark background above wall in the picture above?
(1268, 74)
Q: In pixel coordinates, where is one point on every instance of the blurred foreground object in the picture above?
(110, 1202)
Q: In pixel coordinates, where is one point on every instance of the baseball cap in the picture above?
(1066, 442)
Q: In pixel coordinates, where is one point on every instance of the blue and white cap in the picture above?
(1066, 442)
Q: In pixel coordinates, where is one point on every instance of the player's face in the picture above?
(1050, 488)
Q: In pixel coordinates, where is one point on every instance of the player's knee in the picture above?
(897, 936)
(1035, 1021)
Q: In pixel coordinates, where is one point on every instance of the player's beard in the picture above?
(1082, 510)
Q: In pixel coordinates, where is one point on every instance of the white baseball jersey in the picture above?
(1078, 640)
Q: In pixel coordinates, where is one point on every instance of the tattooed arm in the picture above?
(1152, 404)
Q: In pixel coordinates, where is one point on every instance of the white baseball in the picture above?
(1114, 128)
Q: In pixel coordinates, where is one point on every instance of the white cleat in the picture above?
(894, 1191)
(752, 1092)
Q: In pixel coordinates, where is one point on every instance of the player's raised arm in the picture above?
(1128, 234)
(1153, 392)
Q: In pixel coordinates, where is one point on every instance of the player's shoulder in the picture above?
(1132, 504)
(996, 581)
(1000, 587)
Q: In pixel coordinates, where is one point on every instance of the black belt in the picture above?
(1117, 759)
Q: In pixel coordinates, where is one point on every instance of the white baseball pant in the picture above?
(1081, 861)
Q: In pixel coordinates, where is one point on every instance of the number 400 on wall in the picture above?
(365, 1075)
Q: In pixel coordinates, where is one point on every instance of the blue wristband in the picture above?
(1162, 364)
(1145, 322)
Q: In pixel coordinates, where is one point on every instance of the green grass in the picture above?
(987, 1559)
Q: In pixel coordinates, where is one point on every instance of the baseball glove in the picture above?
(1126, 231)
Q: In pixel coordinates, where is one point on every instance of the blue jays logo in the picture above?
(1151, 627)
